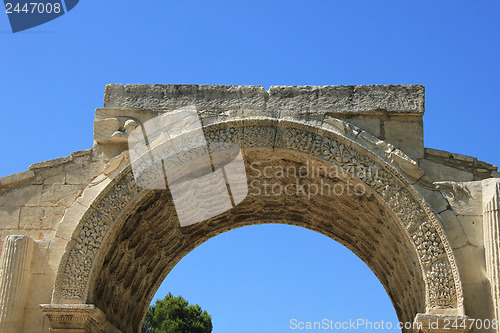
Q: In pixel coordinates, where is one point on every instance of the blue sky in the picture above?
(256, 279)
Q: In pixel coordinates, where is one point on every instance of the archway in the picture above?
(110, 264)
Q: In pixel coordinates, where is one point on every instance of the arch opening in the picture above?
(271, 277)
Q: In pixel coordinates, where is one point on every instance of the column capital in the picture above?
(437, 323)
(77, 318)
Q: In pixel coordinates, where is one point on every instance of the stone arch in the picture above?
(397, 233)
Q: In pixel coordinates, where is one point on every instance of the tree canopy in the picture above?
(175, 315)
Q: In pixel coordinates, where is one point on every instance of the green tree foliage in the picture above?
(175, 315)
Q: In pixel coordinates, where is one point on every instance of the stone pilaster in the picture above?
(491, 222)
(14, 281)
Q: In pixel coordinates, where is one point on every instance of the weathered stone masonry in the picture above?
(427, 226)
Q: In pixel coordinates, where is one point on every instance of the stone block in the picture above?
(437, 152)
(40, 218)
(433, 197)
(35, 234)
(16, 178)
(40, 291)
(50, 163)
(56, 248)
(453, 229)
(406, 99)
(34, 321)
(439, 172)
(28, 195)
(406, 134)
(174, 96)
(80, 153)
(489, 189)
(60, 195)
(9, 217)
(473, 228)
(374, 99)
(39, 264)
(465, 198)
(50, 175)
(478, 303)
(82, 157)
(370, 124)
(59, 178)
(69, 221)
(471, 264)
(92, 191)
(84, 174)
(463, 158)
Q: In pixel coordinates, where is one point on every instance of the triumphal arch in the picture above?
(85, 244)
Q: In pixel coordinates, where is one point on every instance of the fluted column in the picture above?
(14, 281)
(491, 220)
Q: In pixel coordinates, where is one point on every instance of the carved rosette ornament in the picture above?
(91, 236)
(344, 150)
(88, 243)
